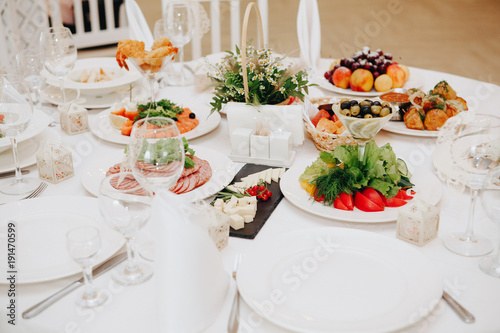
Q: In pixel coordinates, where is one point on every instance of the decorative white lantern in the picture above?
(74, 118)
(418, 222)
(55, 163)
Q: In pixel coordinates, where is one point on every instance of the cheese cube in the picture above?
(220, 209)
(275, 176)
(247, 201)
(236, 221)
(219, 203)
(247, 210)
(231, 203)
(282, 171)
(248, 218)
(231, 211)
(268, 175)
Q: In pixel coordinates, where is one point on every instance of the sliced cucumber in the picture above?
(403, 168)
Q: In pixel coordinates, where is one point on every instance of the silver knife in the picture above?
(96, 271)
(465, 315)
(12, 173)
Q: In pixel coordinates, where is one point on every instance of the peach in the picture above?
(383, 83)
(397, 75)
(341, 77)
(406, 70)
(361, 80)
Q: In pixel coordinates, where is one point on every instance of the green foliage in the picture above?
(269, 81)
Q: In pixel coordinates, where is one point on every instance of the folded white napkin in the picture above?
(309, 32)
(138, 26)
(191, 283)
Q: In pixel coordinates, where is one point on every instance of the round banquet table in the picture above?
(130, 309)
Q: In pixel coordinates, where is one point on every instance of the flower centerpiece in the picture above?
(269, 81)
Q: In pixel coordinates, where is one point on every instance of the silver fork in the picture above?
(37, 191)
(234, 320)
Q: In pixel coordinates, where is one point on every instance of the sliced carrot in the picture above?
(120, 112)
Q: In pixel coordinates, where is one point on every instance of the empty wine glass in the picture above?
(58, 51)
(30, 65)
(84, 246)
(155, 155)
(16, 110)
(490, 198)
(126, 207)
(179, 26)
(475, 151)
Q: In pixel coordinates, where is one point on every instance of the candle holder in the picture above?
(55, 163)
(74, 118)
(418, 222)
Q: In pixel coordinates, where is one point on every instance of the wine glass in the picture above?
(126, 207)
(30, 65)
(361, 129)
(490, 198)
(58, 51)
(155, 155)
(16, 110)
(151, 69)
(179, 26)
(475, 151)
(84, 246)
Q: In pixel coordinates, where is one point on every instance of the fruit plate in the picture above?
(427, 186)
(416, 81)
(101, 125)
(356, 281)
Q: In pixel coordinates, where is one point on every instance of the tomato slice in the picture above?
(337, 203)
(347, 200)
(363, 203)
(402, 194)
(394, 202)
(374, 196)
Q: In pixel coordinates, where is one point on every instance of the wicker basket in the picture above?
(326, 141)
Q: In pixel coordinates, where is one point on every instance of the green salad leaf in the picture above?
(341, 171)
(162, 108)
(165, 151)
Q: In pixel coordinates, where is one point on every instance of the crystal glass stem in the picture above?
(361, 152)
(132, 266)
(89, 287)
(63, 92)
(152, 87)
(19, 175)
(469, 232)
(180, 52)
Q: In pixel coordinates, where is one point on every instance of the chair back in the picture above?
(216, 17)
(138, 26)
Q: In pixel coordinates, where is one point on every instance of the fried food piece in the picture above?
(453, 107)
(151, 60)
(463, 102)
(326, 125)
(430, 102)
(435, 119)
(444, 90)
(415, 96)
(413, 120)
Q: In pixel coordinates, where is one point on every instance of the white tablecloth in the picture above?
(131, 309)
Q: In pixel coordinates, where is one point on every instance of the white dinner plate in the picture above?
(53, 95)
(39, 122)
(26, 150)
(427, 186)
(339, 280)
(101, 126)
(416, 81)
(223, 172)
(399, 127)
(41, 227)
(121, 77)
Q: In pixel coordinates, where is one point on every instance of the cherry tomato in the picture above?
(264, 197)
(262, 188)
(268, 193)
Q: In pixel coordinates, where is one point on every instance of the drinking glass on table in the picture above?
(126, 207)
(84, 246)
(58, 51)
(475, 150)
(179, 26)
(490, 198)
(30, 65)
(16, 110)
(155, 155)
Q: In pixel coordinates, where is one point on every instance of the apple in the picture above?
(397, 75)
(341, 77)
(383, 83)
(406, 70)
(361, 80)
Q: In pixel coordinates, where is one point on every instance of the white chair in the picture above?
(138, 26)
(215, 25)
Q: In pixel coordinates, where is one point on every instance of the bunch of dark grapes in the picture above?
(376, 62)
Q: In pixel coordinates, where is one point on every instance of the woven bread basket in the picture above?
(326, 141)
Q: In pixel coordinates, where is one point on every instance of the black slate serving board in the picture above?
(264, 208)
